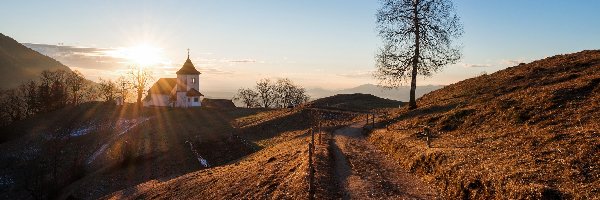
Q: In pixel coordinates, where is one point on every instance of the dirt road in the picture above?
(365, 173)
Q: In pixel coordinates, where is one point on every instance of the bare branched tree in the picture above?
(139, 78)
(108, 90)
(124, 86)
(289, 94)
(75, 83)
(247, 96)
(266, 92)
(418, 40)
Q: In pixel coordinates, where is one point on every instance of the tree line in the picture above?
(267, 93)
(53, 90)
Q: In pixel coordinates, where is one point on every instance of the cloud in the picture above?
(214, 71)
(467, 65)
(357, 74)
(509, 63)
(80, 57)
(211, 61)
(243, 61)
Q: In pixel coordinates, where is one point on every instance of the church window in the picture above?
(193, 80)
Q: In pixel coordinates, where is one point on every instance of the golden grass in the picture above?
(527, 132)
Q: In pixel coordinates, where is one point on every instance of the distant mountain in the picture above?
(401, 93)
(19, 63)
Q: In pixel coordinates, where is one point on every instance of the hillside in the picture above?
(278, 170)
(531, 131)
(354, 102)
(92, 145)
(19, 63)
(400, 93)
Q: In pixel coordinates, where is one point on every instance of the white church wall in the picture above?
(157, 100)
(181, 100)
(192, 82)
(195, 101)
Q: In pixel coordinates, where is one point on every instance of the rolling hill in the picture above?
(399, 94)
(19, 64)
(530, 131)
(277, 171)
(92, 145)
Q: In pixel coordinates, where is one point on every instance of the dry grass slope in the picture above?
(276, 172)
(116, 143)
(531, 131)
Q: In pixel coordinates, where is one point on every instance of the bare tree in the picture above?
(75, 82)
(140, 79)
(417, 37)
(31, 98)
(12, 108)
(266, 92)
(108, 90)
(289, 94)
(298, 96)
(247, 96)
(283, 92)
(124, 86)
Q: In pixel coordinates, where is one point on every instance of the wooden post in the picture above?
(311, 172)
(373, 120)
(312, 136)
(319, 131)
(426, 131)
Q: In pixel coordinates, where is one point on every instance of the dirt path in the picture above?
(365, 173)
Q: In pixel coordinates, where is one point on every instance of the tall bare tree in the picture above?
(140, 79)
(418, 40)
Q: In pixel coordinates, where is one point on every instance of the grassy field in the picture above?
(527, 132)
(87, 147)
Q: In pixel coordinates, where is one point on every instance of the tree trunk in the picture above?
(139, 97)
(412, 104)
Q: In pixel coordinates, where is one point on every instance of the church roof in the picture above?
(163, 86)
(188, 68)
(193, 93)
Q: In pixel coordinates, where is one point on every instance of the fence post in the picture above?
(373, 120)
(312, 136)
(319, 131)
(311, 172)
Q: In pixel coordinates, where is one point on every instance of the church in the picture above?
(182, 92)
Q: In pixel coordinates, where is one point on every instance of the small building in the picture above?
(218, 103)
(183, 91)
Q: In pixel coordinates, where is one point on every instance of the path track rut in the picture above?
(365, 173)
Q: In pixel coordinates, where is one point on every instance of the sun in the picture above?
(144, 55)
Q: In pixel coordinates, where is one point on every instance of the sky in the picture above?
(328, 44)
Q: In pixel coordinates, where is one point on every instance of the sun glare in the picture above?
(143, 55)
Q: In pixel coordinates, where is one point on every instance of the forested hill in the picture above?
(19, 63)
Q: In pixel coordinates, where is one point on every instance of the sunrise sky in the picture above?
(328, 44)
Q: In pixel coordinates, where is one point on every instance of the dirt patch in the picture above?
(364, 173)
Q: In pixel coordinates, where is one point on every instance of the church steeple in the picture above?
(188, 68)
